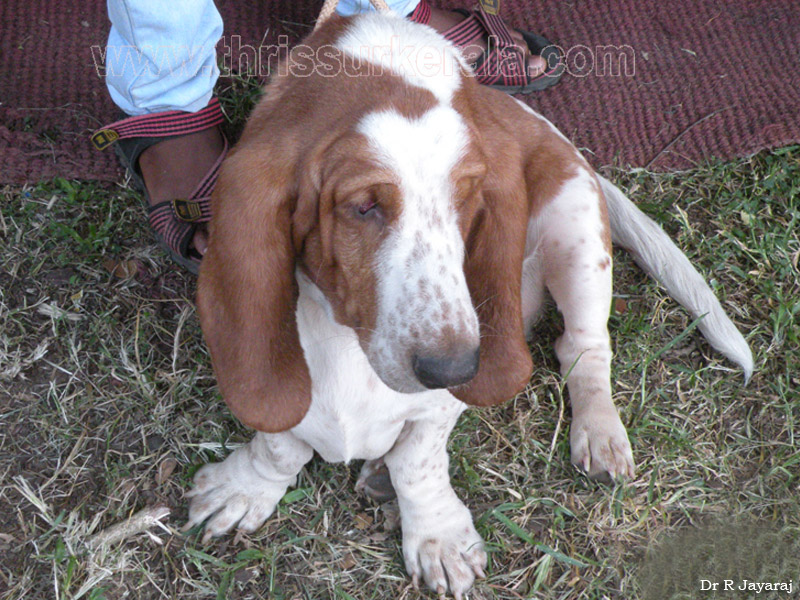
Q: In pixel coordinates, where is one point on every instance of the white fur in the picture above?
(566, 254)
(574, 215)
(416, 53)
(346, 387)
(422, 292)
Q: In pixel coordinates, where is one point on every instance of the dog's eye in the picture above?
(367, 206)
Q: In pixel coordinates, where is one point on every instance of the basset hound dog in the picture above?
(383, 236)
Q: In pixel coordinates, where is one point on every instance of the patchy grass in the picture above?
(108, 406)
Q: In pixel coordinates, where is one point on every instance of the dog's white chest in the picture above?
(353, 414)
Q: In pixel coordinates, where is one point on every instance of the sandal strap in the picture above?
(465, 31)
(421, 14)
(173, 221)
(496, 28)
(202, 192)
(173, 233)
(164, 124)
(476, 25)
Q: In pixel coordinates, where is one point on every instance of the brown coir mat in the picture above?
(662, 84)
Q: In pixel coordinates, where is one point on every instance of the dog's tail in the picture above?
(660, 258)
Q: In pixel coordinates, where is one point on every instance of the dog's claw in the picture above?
(600, 446)
(586, 465)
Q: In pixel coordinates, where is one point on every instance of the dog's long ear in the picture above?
(247, 294)
(493, 266)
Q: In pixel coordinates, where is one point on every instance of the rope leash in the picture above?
(329, 8)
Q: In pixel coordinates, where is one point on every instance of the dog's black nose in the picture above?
(446, 371)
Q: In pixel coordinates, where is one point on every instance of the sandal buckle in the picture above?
(187, 210)
(104, 138)
(490, 7)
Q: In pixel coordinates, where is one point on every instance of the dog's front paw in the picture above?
(228, 499)
(600, 446)
(447, 556)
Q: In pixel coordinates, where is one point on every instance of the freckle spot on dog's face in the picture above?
(446, 311)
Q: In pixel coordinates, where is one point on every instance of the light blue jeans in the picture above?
(161, 56)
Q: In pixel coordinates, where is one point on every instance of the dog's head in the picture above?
(395, 192)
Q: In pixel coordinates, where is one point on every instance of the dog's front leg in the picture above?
(440, 543)
(577, 258)
(246, 487)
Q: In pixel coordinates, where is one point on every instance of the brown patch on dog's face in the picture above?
(348, 201)
(357, 204)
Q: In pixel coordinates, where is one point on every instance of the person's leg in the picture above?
(160, 58)
(353, 7)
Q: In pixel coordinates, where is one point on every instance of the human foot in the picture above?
(507, 59)
(443, 20)
(174, 167)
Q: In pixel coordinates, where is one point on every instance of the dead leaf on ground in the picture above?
(123, 269)
(363, 520)
(165, 470)
(348, 561)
